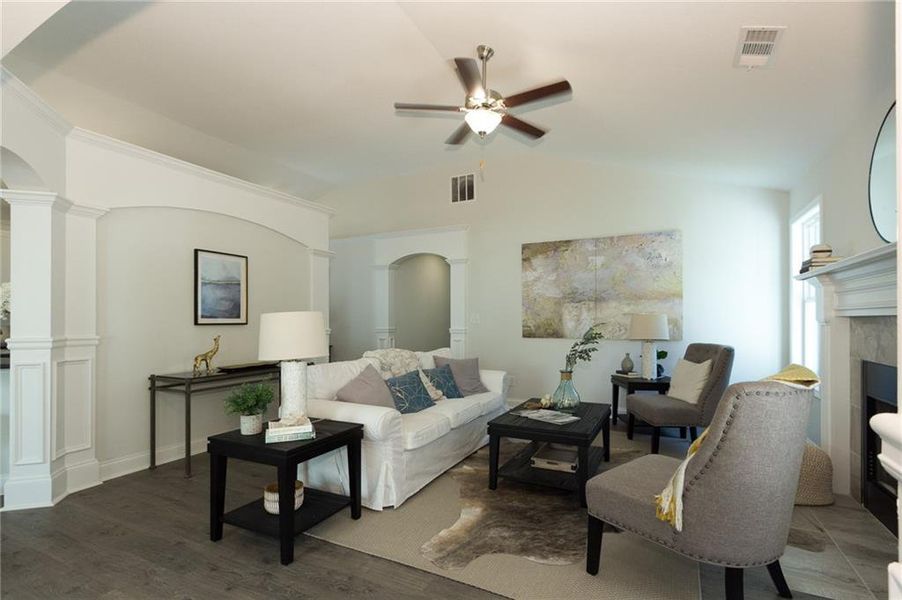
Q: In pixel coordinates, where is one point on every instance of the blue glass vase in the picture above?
(565, 397)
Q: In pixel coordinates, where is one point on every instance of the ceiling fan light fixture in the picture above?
(482, 121)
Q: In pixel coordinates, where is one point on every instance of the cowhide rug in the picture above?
(539, 523)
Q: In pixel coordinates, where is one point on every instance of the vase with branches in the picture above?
(566, 397)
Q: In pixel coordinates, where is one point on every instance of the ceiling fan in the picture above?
(484, 109)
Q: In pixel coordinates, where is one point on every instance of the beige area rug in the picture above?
(519, 541)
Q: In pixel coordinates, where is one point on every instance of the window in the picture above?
(805, 335)
(463, 188)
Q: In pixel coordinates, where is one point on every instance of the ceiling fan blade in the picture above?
(468, 69)
(539, 93)
(522, 126)
(460, 135)
(442, 107)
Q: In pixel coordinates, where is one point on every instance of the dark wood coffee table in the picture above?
(594, 418)
(285, 456)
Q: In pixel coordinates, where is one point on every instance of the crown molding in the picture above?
(38, 106)
(36, 198)
(405, 233)
(91, 212)
(110, 143)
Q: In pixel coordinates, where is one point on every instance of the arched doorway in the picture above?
(422, 302)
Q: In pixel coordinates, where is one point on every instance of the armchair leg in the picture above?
(655, 440)
(693, 433)
(733, 583)
(593, 546)
(630, 426)
(776, 575)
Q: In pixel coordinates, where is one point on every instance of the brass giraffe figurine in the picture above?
(206, 358)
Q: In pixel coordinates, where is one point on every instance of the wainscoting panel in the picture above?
(30, 382)
(74, 407)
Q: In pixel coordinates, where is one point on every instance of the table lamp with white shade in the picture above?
(293, 338)
(649, 328)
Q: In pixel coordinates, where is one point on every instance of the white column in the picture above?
(383, 305)
(320, 263)
(37, 269)
(458, 328)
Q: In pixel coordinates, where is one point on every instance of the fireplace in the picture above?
(878, 487)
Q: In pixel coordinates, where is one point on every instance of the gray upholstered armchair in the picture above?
(663, 411)
(738, 493)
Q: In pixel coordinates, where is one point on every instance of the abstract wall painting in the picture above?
(220, 288)
(569, 285)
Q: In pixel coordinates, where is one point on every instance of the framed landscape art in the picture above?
(220, 288)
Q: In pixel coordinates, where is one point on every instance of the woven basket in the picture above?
(815, 478)
(271, 497)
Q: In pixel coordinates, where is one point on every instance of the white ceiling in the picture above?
(299, 96)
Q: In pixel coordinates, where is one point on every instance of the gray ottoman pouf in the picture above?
(815, 478)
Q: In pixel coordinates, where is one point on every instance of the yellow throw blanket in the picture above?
(669, 503)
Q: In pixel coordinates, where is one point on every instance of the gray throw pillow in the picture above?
(367, 388)
(466, 374)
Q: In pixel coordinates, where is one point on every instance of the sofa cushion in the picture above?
(421, 428)
(488, 401)
(324, 380)
(466, 374)
(459, 411)
(663, 411)
(443, 379)
(367, 388)
(426, 358)
(408, 392)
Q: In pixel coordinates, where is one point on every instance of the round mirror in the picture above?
(882, 179)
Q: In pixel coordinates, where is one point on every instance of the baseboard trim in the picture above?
(139, 461)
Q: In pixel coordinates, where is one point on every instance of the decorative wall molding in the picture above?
(41, 343)
(37, 104)
(322, 253)
(104, 141)
(29, 380)
(90, 212)
(406, 233)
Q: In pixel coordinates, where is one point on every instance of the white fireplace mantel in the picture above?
(863, 285)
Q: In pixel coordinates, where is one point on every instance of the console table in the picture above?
(186, 384)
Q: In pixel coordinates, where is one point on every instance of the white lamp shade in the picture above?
(649, 327)
(299, 335)
(482, 120)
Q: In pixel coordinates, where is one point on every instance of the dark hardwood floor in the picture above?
(146, 536)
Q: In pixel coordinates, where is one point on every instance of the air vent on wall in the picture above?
(757, 46)
(463, 188)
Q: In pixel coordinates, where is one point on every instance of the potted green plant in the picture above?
(250, 401)
(566, 397)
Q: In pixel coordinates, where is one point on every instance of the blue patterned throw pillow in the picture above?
(409, 393)
(443, 379)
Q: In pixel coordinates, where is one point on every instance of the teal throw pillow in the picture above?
(409, 393)
(443, 379)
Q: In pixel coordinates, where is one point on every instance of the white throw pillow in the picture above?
(689, 380)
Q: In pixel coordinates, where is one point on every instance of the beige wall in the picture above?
(422, 303)
(734, 245)
(145, 303)
(840, 178)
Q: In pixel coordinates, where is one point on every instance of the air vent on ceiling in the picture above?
(757, 46)
(463, 188)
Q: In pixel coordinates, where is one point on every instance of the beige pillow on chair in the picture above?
(688, 380)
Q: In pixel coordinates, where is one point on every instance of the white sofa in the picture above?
(401, 453)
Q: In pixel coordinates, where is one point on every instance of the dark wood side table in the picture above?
(635, 384)
(594, 418)
(285, 456)
(186, 384)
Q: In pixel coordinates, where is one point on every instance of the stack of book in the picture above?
(821, 256)
(277, 432)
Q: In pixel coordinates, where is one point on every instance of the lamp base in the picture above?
(649, 361)
(293, 388)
